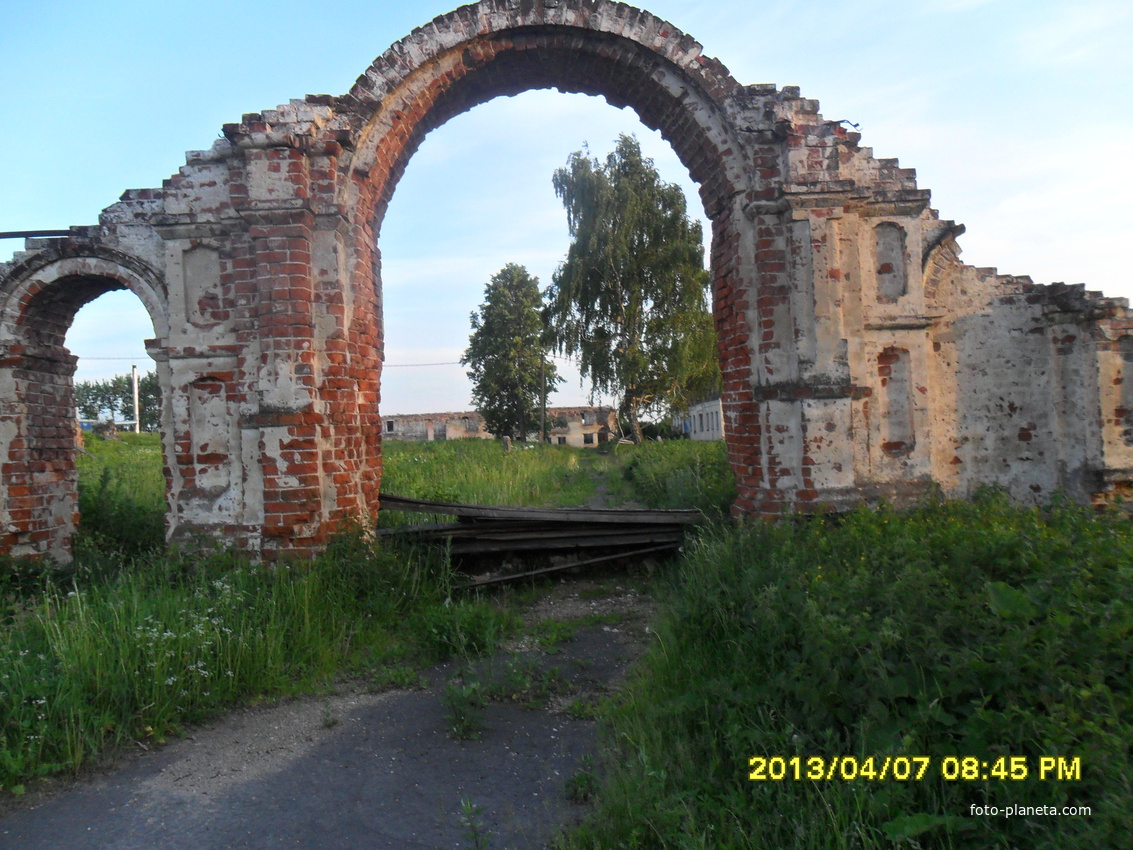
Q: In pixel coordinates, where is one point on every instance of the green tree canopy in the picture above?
(630, 299)
(113, 399)
(507, 354)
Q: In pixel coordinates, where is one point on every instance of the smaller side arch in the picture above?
(38, 301)
(76, 278)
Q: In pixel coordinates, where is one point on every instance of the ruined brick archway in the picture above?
(360, 144)
(852, 339)
(625, 55)
(37, 430)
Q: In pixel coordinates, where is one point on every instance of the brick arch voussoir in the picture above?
(64, 278)
(479, 52)
(467, 24)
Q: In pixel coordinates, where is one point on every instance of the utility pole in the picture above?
(137, 407)
(543, 406)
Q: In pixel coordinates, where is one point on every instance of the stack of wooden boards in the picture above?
(567, 537)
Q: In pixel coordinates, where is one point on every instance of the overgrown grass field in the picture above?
(971, 632)
(480, 472)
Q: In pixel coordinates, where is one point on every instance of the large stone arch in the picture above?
(38, 302)
(854, 343)
(626, 55)
(352, 150)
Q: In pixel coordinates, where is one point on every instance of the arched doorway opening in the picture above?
(463, 60)
(121, 485)
(476, 196)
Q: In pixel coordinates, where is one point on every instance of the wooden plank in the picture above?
(33, 234)
(512, 530)
(562, 544)
(415, 529)
(635, 553)
(605, 515)
(557, 531)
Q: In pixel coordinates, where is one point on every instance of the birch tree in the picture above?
(631, 298)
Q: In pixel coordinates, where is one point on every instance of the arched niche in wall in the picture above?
(898, 436)
(890, 261)
(1125, 398)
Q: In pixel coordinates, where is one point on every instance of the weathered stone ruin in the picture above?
(862, 359)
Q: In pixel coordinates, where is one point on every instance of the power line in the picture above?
(456, 363)
(411, 365)
(384, 365)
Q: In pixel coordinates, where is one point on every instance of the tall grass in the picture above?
(121, 494)
(481, 472)
(180, 637)
(958, 629)
(680, 474)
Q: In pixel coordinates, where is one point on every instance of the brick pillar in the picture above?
(37, 451)
(731, 308)
(786, 389)
(348, 330)
(287, 415)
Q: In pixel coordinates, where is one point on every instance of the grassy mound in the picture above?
(961, 630)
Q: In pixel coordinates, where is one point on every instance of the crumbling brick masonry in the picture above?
(861, 358)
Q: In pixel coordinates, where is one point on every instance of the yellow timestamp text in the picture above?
(912, 768)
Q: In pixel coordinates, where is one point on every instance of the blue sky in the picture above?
(1015, 113)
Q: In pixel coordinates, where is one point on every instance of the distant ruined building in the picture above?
(432, 427)
(581, 427)
(861, 358)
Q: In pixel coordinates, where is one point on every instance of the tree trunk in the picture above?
(631, 413)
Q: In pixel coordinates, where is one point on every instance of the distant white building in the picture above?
(704, 421)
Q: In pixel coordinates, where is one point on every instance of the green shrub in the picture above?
(957, 630)
(464, 702)
(461, 629)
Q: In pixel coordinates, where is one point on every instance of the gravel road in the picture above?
(359, 770)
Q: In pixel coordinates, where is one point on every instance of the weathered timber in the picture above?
(33, 234)
(585, 535)
(600, 515)
(563, 543)
(636, 553)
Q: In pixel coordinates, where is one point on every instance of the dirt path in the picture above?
(598, 466)
(372, 770)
